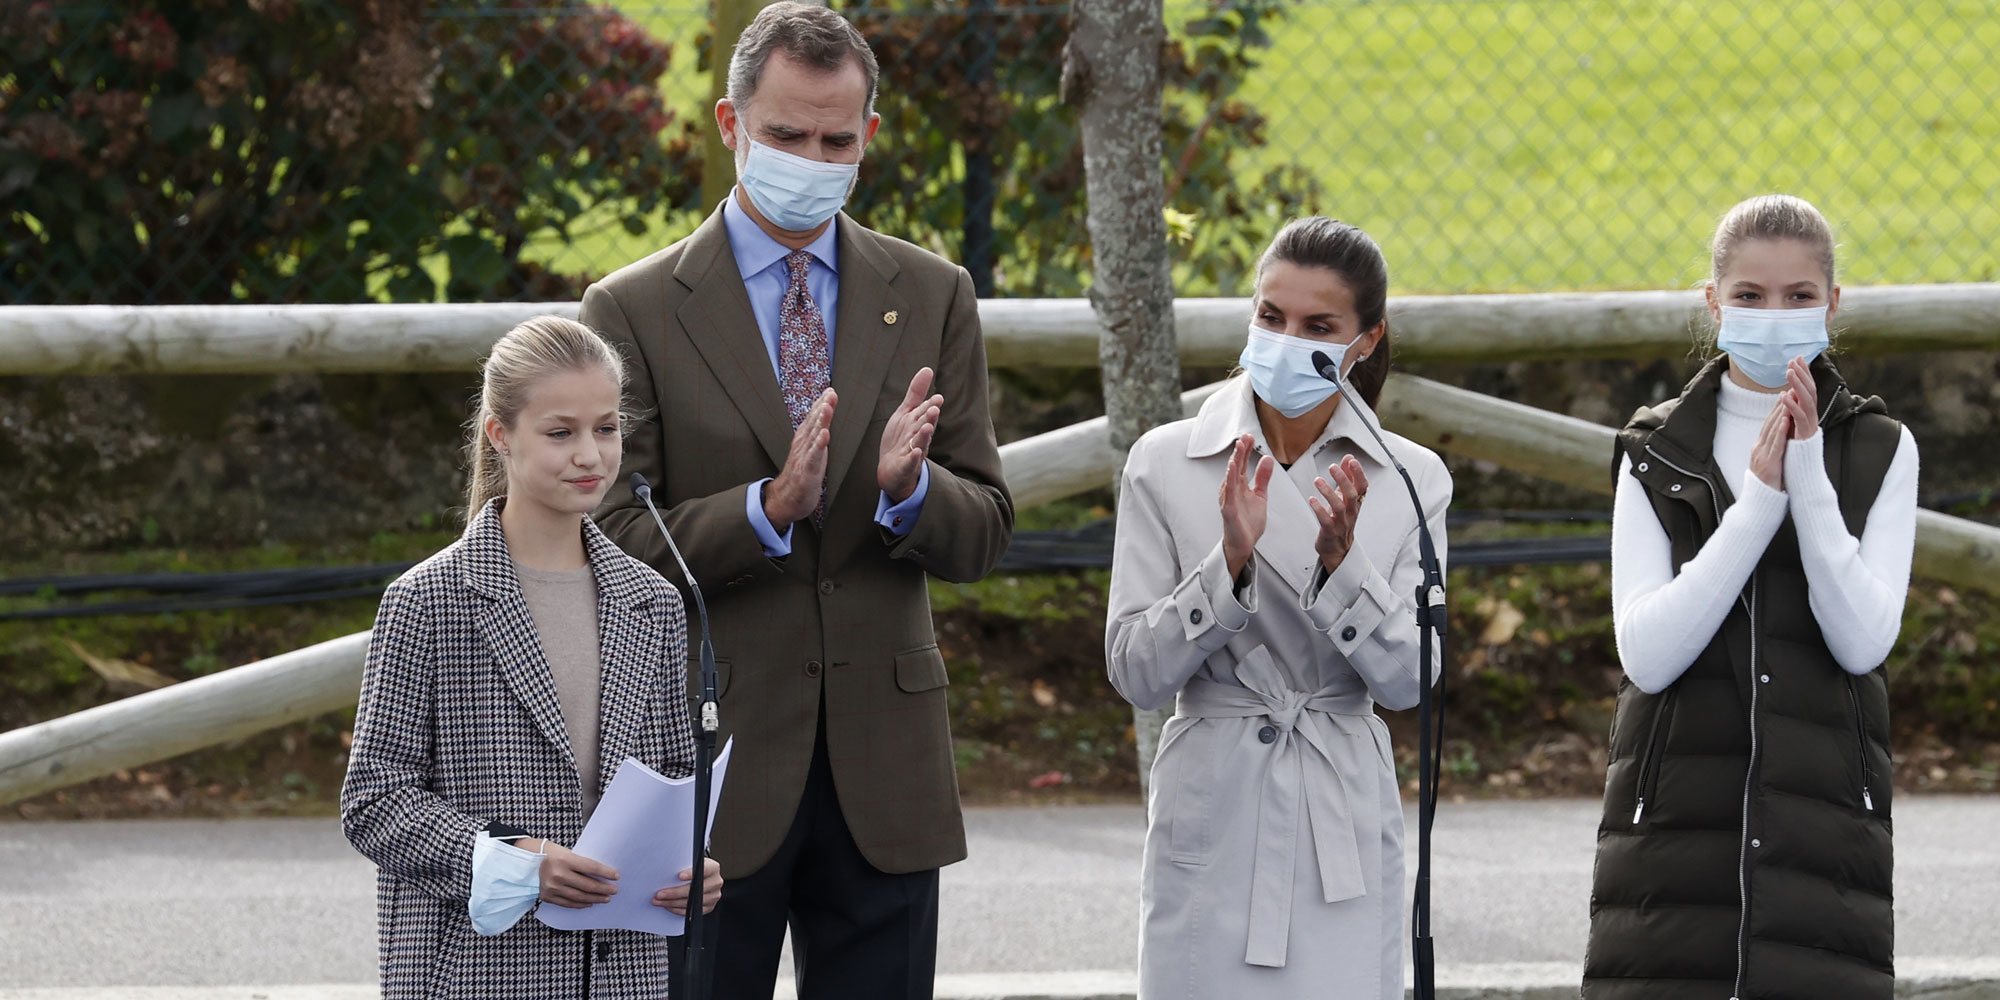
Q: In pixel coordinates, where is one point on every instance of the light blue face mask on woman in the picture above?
(506, 881)
(1763, 341)
(796, 194)
(1282, 372)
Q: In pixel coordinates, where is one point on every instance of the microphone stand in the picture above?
(707, 721)
(1431, 623)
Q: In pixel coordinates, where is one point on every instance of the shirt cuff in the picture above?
(776, 546)
(1815, 505)
(1212, 608)
(1805, 471)
(505, 831)
(897, 519)
(1757, 495)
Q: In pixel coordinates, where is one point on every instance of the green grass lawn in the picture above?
(1565, 144)
(1557, 144)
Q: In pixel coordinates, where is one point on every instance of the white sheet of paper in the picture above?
(640, 828)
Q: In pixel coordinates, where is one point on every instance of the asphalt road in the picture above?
(277, 903)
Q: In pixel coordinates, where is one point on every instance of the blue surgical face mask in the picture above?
(1763, 341)
(506, 881)
(1281, 370)
(796, 194)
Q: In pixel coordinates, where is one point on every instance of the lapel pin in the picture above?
(890, 317)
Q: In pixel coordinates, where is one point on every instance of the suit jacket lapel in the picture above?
(508, 628)
(717, 318)
(864, 340)
(628, 642)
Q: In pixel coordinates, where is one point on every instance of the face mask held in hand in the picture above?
(796, 194)
(1763, 341)
(506, 881)
(1282, 372)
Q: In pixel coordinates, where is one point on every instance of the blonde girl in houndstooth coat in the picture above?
(507, 677)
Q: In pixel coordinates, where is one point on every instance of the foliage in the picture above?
(960, 86)
(279, 150)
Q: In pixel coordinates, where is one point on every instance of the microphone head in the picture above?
(639, 487)
(1326, 368)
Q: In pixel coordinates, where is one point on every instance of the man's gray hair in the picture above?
(809, 33)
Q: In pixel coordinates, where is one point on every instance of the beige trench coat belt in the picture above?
(1299, 766)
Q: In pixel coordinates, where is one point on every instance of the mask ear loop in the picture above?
(540, 852)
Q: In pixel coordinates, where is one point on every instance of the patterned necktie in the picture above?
(804, 370)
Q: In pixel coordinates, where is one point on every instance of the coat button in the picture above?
(1644, 466)
(812, 668)
(1268, 734)
(1766, 678)
(1195, 616)
(603, 949)
(1347, 634)
(826, 587)
(1675, 488)
(1756, 843)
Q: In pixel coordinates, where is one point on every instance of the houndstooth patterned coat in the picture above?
(459, 725)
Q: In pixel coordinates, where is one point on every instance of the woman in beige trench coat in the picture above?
(1262, 580)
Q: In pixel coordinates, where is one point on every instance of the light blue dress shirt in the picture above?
(761, 261)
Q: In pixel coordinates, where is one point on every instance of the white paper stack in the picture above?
(642, 828)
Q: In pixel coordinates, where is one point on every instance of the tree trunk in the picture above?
(1111, 71)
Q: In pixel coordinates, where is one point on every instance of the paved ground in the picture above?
(284, 908)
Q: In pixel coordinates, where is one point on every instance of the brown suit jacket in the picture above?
(846, 615)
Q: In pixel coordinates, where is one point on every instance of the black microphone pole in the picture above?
(1430, 708)
(707, 721)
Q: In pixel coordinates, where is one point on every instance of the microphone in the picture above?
(1431, 618)
(1331, 372)
(709, 721)
(704, 750)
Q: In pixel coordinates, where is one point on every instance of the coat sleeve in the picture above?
(1372, 617)
(1163, 623)
(714, 532)
(387, 808)
(968, 515)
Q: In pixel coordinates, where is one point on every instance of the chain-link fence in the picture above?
(290, 150)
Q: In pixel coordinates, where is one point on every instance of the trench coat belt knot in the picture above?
(1299, 766)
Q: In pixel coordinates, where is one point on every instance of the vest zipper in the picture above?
(1743, 841)
(1749, 773)
(1713, 500)
(1649, 765)
(1861, 746)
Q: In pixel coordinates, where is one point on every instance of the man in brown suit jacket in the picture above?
(841, 802)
